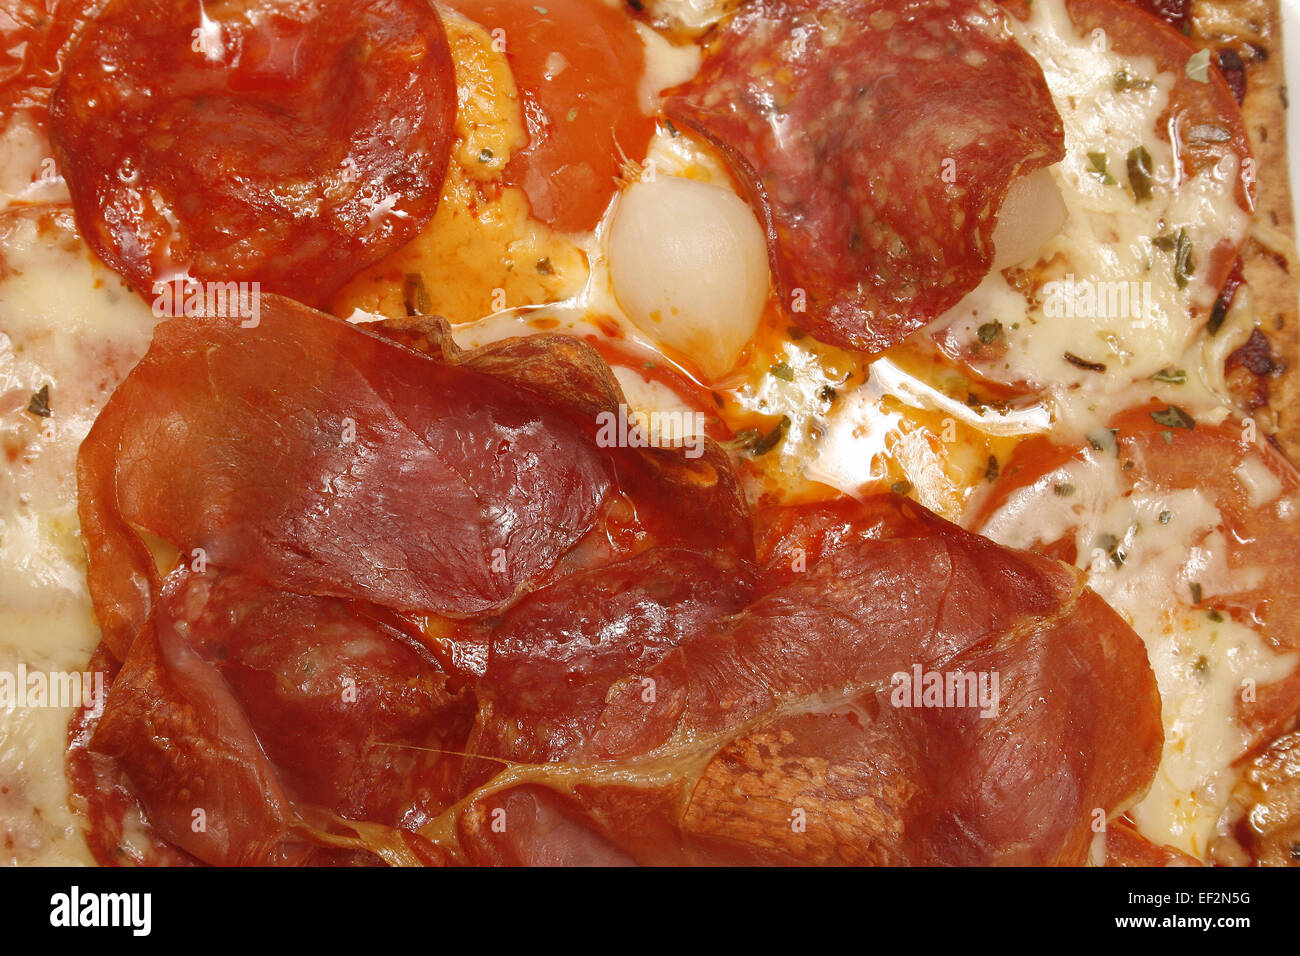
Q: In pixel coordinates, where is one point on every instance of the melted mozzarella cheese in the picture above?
(666, 65)
(27, 171)
(689, 16)
(666, 419)
(68, 324)
(1103, 291)
(1146, 553)
(1262, 485)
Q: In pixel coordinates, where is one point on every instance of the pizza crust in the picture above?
(1253, 28)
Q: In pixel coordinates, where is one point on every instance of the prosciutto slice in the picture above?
(775, 735)
(335, 461)
(351, 672)
(309, 698)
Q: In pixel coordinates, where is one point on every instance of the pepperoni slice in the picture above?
(35, 36)
(286, 144)
(877, 141)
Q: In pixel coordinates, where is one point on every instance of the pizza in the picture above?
(666, 432)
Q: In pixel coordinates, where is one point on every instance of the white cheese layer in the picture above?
(69, 325)
(1107, 288)
(1149, 555)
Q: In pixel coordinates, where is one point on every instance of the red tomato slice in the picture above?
(1259, 536)
(577, 64)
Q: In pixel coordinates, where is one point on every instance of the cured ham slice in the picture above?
(346, 674)
(312, 453)
(179, 733)
(303, 698)
(551, 661)
(335, 461)
(876, 141)
(286, 144)
(772, 736)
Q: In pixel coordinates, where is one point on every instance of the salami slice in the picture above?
(876, 140)
(287, 144)
(35, 37)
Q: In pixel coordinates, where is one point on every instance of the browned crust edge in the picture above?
(1266, 385)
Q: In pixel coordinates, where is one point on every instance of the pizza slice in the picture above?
(789, 431)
